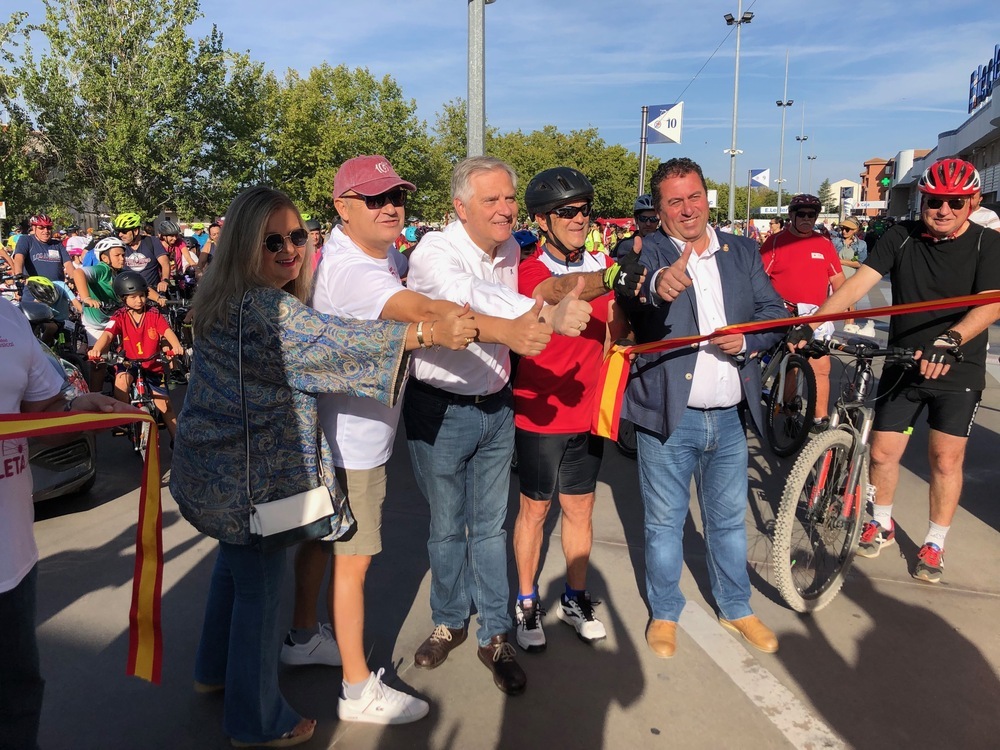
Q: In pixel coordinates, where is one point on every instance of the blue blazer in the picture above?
(660, 383)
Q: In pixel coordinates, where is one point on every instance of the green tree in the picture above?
(826, 196)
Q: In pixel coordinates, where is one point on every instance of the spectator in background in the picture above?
(646, 222)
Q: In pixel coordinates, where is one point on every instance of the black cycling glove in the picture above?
(623, 276)
(803, 332)
(946, 349)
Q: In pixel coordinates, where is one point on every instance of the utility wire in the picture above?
(710, 57)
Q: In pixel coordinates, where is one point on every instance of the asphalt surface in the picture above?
(892, 662)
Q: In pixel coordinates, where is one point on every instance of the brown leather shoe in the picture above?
(499, 658)
(438, 645)
(757, 633)
(661, 636)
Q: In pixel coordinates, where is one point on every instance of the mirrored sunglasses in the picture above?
(275, 242)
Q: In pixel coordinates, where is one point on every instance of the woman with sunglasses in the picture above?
(290, 353)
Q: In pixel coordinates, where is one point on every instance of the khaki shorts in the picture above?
(365, 489)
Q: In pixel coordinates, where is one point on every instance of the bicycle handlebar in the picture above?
(861, 350)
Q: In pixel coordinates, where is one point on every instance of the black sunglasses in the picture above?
(275, 242)
(396, 197)
(647, 219)
(806, 214)
(570, 212)
(955, 204)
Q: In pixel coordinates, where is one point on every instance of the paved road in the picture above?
(892, 662)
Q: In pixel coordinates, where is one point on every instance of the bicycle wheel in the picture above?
(819, 522)
(626, 439)
(791, 404)
(143, 444)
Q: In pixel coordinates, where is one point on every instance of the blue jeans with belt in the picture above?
(240, 642)
(711, 446)
(461, 455)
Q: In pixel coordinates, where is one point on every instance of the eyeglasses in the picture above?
(805, 214)
(647, 219)
(955, 204)
(570, 212)
(276, 242)
(396, 197)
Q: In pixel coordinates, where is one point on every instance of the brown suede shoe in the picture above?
(757, 633)
(661, 636)
(499, 658)
(438, 645)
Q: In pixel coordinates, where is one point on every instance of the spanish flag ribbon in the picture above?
(145, 652)
(615, 370)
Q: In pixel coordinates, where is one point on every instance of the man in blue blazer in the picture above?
(688, 405)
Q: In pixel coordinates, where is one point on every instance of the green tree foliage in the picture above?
(826, 196)
(19, 179)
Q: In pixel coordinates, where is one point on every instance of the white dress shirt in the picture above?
(449, 265)
(716, 380)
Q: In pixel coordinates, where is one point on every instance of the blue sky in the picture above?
(874, 77)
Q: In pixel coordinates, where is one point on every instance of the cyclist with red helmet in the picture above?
(804, 267)
(39, 254)
(941, 255)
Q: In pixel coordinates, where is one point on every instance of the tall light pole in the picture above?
(784, 103)
(732, 150)
(801, 138)
(475, 117)
(809, 184)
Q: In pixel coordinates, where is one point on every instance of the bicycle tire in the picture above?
(626, 441)
(789, 419)
(814, 546)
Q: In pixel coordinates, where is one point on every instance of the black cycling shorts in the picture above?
(951, 412)
(567, 463)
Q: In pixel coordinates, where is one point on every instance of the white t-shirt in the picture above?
(28, 376)
(352, 284)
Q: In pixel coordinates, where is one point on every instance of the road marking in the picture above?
(800, 726)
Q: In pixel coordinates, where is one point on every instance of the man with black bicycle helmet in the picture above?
(140, 331)
(555, 447)
(144, 255)
(646, 222)
(804, 267)
(940, 255)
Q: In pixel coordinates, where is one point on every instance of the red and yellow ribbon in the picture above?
(145, 651)
(614, 372)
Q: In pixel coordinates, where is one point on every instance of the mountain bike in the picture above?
(819, 518)
(140, 394)
(788, 392)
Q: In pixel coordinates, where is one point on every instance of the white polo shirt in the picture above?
(449, 265)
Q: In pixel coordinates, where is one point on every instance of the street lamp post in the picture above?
(801, 138)
(476, 106)
(738, 21)
(784, 103)
(809, 184)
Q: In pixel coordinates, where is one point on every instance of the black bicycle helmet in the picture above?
(804, 200)
(168, 228)
(556, 187)
(312, 225)
(192, 243)
(129, 282)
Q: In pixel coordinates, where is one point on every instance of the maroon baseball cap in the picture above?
(367, 175)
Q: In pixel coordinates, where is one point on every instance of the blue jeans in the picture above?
(21, 683)
(710, 445)
(240, 642)
(461, 458)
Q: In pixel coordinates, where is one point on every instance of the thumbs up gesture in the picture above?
(571, 315)
(528, 334)
(673, 279)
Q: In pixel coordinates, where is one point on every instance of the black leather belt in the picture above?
(454, 398)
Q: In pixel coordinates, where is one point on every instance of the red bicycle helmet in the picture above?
(950, 177)
(804, 200)
(41, 220)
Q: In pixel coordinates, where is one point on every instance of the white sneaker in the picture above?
(868, 329)
(530, 635)
(320, 649)
(579, 613)
(851, 328)
(381, 704)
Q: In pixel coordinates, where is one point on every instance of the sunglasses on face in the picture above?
(955, 204)
(276, 242)
(805, 214)
(570, 212)
(648, 219)
(396, 197)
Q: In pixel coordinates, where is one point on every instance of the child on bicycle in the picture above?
(140, 330)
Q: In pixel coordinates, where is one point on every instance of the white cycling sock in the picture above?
(936, 534)
(882, 515)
